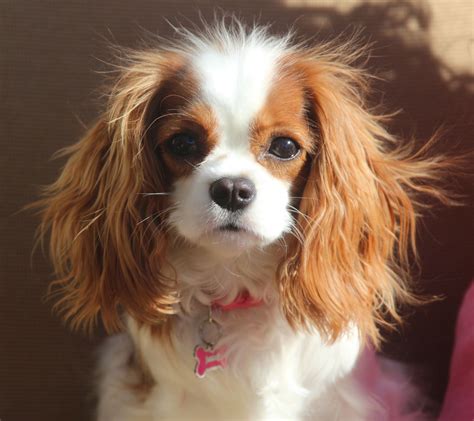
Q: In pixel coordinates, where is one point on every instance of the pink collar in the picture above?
(243, 300)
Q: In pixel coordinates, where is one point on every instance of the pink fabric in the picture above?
(390, 387)
(459, 400)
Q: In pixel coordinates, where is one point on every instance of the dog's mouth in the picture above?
(229, 238)
(234, 230)
(231, 227)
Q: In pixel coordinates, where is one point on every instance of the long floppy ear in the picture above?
(358, 208)
(104, 256)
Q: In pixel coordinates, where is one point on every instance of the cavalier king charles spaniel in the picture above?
(242, 215)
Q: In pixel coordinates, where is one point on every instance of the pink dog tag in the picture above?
(207, 360)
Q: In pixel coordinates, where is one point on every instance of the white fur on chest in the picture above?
(272, 372)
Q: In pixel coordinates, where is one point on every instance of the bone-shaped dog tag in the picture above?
(207, 360)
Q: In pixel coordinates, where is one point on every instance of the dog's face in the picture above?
(234, 135)
(231, 141)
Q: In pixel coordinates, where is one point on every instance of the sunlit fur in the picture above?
(340, 265)
(104, 256)
(358, 207)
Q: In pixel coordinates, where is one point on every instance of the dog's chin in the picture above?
(230, 240)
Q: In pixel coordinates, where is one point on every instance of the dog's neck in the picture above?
(205, 277)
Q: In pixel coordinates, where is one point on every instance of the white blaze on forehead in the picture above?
(235, 78)
(235, 71)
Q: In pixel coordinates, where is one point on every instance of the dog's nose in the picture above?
(232, 193)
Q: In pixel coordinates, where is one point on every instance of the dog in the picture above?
(245, 219)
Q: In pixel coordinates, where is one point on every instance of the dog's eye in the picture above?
(183, 144)
(284, 148)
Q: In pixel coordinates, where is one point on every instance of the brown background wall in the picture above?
(50, 56)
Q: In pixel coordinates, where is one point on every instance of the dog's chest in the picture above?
(265, 369)
(269, 371)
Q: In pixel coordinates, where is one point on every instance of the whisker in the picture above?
(154, 216)
(192, 165)
(295, 231)
(157, 227)
(297, 211)
(283, 243)
(302, 197)
(146, 219)
(176, 113)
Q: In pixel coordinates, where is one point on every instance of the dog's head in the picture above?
(234, 141)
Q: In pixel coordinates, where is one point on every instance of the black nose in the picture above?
(232, 193)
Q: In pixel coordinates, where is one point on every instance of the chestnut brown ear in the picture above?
(358, 210)
(104, 255)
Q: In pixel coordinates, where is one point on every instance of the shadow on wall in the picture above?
(51, 55)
